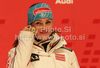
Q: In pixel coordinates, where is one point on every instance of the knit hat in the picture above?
(40, 10)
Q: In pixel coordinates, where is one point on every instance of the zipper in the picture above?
(54, 61)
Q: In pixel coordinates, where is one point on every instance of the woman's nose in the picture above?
(44, 26)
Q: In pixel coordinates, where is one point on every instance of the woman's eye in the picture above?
(48, 22)
(38, 23)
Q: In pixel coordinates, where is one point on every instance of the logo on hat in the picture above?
(41, 10)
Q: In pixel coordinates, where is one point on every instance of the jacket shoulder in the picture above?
(68, 49)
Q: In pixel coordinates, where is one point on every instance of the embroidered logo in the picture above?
(34, 57)
(41, 10)
(60, 57)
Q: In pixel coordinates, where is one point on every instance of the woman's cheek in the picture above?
(50, 29)
(38, 31)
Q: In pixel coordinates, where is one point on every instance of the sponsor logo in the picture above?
(60, 57)
(41, 10)
(64, 2)
(34, 57)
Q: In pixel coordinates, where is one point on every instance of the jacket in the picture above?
(30, 54)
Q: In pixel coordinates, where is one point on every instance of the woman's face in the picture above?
(43, 26)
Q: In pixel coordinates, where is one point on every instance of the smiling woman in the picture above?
(44, 26)
(45, 49)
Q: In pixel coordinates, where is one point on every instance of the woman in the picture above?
(43, 50)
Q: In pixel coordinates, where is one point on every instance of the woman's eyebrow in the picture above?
(48, 19)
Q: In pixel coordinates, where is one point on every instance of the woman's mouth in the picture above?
(43, 32)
